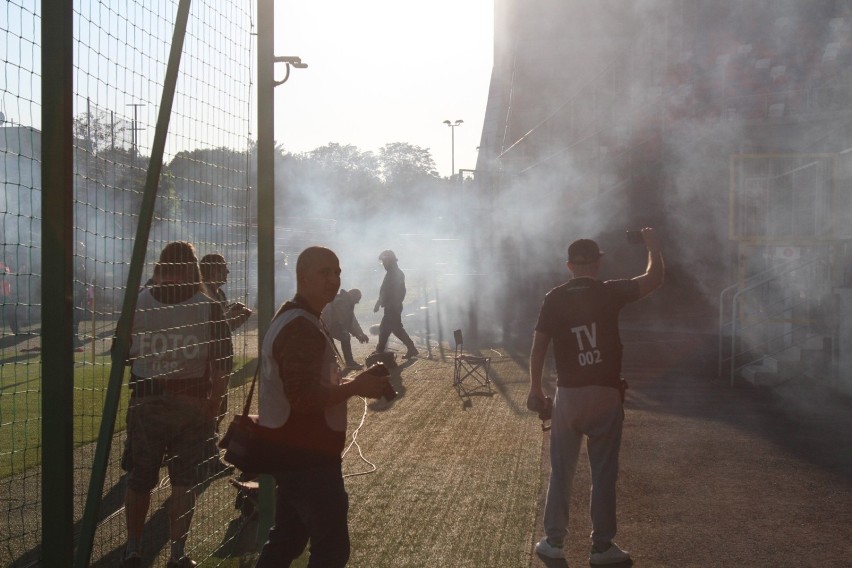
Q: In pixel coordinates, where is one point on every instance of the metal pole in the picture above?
(57, 362)
(265, 212)
(134, 279)
(453, 151)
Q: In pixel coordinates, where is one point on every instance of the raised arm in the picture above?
(656, 270)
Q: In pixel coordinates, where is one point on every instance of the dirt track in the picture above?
(718, 476)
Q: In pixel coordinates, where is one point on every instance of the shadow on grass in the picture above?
(20, 358)
(15, 339)
(382, 405)
(562, 563)
(552, 562)
(240, 538)
(155, 537)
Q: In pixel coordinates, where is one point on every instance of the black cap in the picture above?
(584, 251)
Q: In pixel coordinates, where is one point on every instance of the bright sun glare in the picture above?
(384, 71)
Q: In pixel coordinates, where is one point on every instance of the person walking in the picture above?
(580, 317)
(391, 295)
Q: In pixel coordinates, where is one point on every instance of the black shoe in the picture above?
(185, 562)
(353, 366)
(413, 352)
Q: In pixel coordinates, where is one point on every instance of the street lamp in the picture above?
(452, 126)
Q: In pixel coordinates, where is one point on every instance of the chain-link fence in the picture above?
(121, 51)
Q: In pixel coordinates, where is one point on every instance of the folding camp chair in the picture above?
(471, 367)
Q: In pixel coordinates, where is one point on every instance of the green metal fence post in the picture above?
(57, 362)
(265, 212)
(134, 279)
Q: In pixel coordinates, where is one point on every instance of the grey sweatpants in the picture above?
(597, 413)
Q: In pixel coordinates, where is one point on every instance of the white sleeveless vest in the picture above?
(273, 406)
(171, 341)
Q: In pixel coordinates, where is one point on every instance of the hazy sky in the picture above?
(384, 71)
(380, 71)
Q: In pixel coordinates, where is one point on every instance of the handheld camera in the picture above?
(380, 369)
(544, 409)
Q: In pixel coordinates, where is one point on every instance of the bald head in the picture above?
(310, 256)
(317, 276)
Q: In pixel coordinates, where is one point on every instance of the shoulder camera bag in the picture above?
(246, 443)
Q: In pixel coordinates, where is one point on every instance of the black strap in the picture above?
(251, 389)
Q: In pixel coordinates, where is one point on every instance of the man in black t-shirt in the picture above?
(581, 318)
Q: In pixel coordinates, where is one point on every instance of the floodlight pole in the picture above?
(57, 361)
(265, 216)
(452, 126)
(266, 84)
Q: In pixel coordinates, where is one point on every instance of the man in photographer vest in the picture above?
(180, 353)
(581, 318)
(302, 395)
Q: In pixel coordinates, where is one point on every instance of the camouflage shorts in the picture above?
(174, 427)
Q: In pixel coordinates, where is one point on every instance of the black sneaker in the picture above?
(546, 548)
(185, 562)
(612, 554)
(411, 353)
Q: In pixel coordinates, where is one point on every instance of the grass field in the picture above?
(457, 478)
(20, 407)
(457, 473)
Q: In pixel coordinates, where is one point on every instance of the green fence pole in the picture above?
(134, 279)
(265, 213)
(57, 360)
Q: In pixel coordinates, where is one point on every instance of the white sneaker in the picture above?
(612, 555)
(545, 548)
